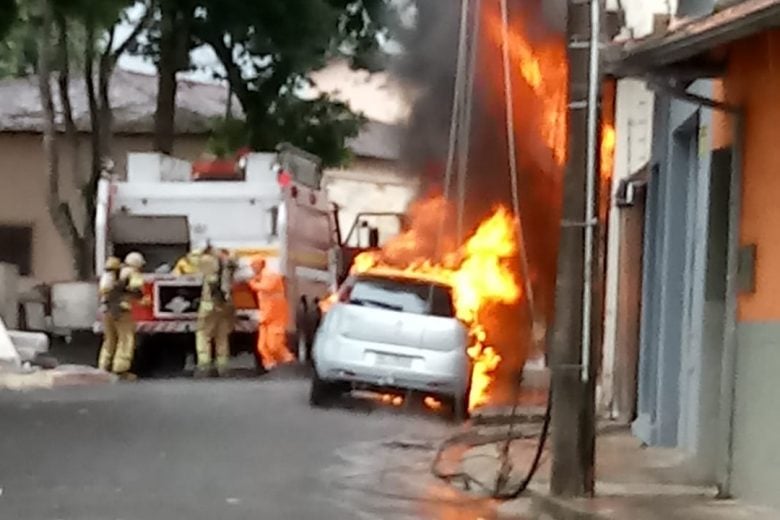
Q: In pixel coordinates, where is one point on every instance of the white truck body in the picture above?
(159, 211)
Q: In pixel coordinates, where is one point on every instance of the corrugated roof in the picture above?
(133, 100)
(695, 37)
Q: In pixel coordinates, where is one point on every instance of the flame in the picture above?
(543, 68)
(432, 403)
(478, 272)
(607, 151)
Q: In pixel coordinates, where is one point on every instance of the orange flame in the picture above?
(432, 403)
(607, 151)
(543, 68)
(478, 272)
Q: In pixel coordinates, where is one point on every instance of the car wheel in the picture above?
(460, 408)
(322, 393)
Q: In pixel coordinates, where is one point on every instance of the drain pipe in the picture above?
(591, 217)
(730, 341)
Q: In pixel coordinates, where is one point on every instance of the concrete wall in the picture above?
(633, 130)
(753, 81)
(370, 185)
(640, 14)
(24, 193)
(9, 295)
(683, 301)
(756, 471)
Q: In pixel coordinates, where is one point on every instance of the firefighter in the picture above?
(130, 289)
(216, 311)
(188, 264)
(109, 307)
(271, 338)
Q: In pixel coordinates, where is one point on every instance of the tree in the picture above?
(267, 50)
(53, 20)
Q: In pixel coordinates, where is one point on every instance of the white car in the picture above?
(392, 332)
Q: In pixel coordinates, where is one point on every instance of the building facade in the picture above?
(709, 327)
(28, 236)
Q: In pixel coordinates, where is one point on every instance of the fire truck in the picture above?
(268, 204)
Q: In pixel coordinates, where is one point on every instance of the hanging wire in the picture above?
(466, 116)
(457, 105)
(460, 126)
(524, 264)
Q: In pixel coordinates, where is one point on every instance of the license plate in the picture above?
(394, 361)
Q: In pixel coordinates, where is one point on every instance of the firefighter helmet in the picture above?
(113, 264)
(135, 259)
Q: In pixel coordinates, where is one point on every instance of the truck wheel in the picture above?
(303, 347)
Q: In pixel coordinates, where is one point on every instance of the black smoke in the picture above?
(427, 69)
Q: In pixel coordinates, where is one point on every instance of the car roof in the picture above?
(404, 276)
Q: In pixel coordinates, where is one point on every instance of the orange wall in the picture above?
(753, 82)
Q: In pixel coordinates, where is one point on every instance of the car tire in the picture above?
(459, 411)
(322, 393)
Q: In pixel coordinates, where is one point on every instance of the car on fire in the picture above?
(392, 331)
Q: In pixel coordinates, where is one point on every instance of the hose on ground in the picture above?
(473, 439)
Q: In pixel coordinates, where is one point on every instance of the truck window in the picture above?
(274, 214)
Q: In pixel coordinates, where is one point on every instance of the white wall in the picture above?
(640, 13)
(370, 186)
(633, 130)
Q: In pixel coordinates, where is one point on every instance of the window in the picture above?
(16, 247)
(401, 294)
(274, 216)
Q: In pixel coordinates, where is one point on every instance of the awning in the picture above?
(135, 229)
(694, 38)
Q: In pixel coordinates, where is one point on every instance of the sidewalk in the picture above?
(634, 483)
(64, 375)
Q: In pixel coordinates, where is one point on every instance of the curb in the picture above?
(559, 508)
(65, 376)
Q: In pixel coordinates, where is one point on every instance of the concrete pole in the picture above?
(573, 384)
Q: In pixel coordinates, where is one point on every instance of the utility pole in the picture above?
(571, 362)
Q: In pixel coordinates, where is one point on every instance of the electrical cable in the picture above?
(466, 116)
(461, 116)
(524, 265)
(456, 109)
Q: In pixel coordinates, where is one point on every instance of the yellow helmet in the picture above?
(113, 263)
(135, 259)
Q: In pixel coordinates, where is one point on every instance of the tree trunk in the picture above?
(63, 81)
(105, 117)
(166, 87)
(94, 110)
(59, 210)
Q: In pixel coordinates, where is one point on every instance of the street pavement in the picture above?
(218, 449)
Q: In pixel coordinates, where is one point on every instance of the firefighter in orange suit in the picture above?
(271, 338)
(131, 284)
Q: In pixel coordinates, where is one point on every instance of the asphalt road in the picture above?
(217, 449)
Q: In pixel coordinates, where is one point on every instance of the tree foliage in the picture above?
(268, 51)
(55, 21)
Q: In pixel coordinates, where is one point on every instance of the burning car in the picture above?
(389, 329)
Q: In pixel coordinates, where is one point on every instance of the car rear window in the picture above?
(402, 295)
